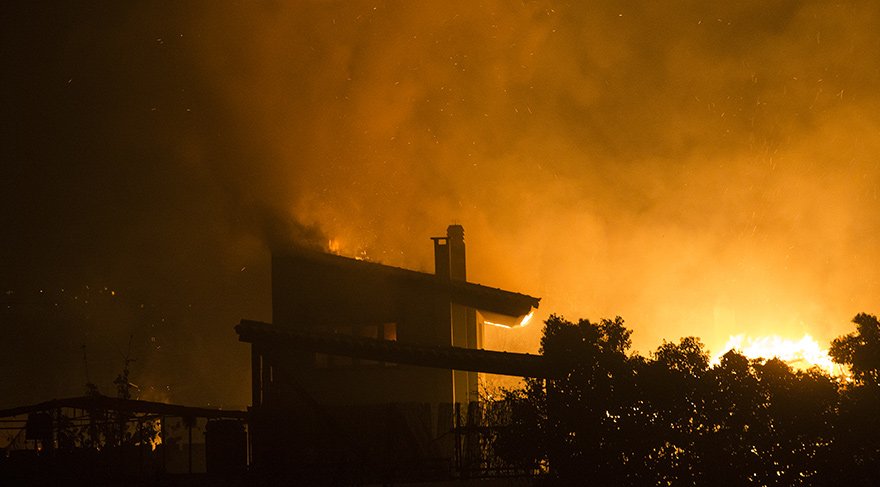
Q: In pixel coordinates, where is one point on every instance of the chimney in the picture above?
(449, 254)
(441, 257)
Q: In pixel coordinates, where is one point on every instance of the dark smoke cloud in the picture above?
(701, 168)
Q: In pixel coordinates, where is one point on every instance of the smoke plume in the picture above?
(702, 168)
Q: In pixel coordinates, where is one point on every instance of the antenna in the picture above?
(91, 388)
(127, 357)
(123, 386)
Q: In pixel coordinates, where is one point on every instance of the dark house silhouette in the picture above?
(370, 412)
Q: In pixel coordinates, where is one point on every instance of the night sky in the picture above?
(702, 168)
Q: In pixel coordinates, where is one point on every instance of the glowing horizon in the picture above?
(801, 354)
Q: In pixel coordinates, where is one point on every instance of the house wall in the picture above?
(314, 294)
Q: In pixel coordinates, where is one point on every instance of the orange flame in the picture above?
(800, 354)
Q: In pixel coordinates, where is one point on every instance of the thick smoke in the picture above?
(703, 169)
(699, 168)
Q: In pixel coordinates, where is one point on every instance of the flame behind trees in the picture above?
(801, 354)
(618, 418)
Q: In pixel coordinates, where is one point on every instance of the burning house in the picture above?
(367, 373)
(364, 364)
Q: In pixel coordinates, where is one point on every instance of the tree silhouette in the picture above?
(590, 428)
(674, 401)
(857, 427)
(860, 350)
(617, 418)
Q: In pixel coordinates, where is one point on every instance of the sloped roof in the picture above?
(461, 292)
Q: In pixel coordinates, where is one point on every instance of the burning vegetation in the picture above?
(673, 418)
(801, 354)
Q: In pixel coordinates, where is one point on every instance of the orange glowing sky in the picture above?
(702, 168)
